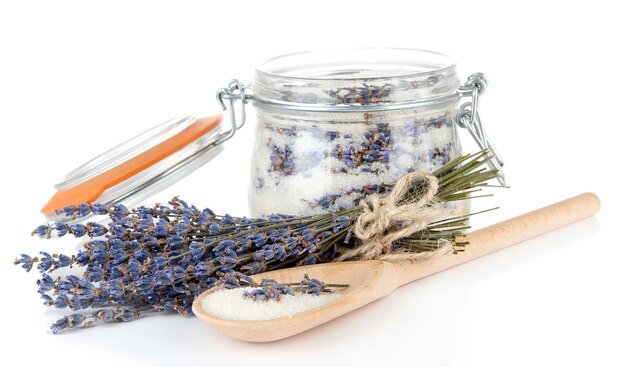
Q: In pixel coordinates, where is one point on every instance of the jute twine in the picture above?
(384, 220)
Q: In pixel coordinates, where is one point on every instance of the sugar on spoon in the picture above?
(373, 279)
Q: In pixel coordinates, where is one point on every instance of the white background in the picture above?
(78, 77)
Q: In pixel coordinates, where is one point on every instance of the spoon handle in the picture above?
(502, 235)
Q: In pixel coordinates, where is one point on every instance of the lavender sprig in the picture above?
(269, 289)
(117, 314)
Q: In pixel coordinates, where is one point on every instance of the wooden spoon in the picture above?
(371, 280)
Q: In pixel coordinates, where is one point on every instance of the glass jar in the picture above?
(333, 127)
(336, 126)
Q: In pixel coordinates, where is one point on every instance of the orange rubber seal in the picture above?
(91, 189)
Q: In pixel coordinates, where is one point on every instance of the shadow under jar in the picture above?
(336, 126)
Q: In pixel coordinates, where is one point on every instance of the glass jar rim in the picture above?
(350, 79)
(277, 67)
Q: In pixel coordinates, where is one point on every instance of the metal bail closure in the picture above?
(235, 91)
(468, 118)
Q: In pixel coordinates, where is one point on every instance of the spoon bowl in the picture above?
(374, 279)
(368, 280)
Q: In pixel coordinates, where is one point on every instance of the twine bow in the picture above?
(386, 219)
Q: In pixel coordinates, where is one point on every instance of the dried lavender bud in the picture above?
(45, 283)
(117, 211)
(96, 229)
(117, 314)
(42, 231)
(45, 263)
(68, 322)
(61, 229)
(68, 211)
(25, 261)
(47, 300)
(78, 230)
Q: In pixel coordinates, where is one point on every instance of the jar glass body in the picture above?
(336, 126)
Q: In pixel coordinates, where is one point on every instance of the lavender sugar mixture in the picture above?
(269, 299)
(310, 168)
(232, 304)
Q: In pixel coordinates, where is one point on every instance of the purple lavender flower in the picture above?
(205, 215)
(99, 209)
(94, 273)
(134, 268)
(45, 263)
(118, 210)
(182, 228)
(310, 259)
(257, 295)
(45, 283)
(311, 286)
(174, 242)
(162, 278)
(115, 288)
(214, 228)
(62, 300)
(197, 249)
(227, 220)
(68, 211)
(103, 315)
(144, 285)
(42, 231)
(150, 242)
(78, 230)
(68, 322)
(61, 229)
(96, 229)
(282, 160)
(47, 300)
(62, 261)
(155, 263)
(118, 255)
(160, 229)
(25, 261)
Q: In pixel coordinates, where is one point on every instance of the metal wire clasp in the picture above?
(235, 91)
(468, 118)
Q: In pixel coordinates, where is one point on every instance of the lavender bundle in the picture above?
(158, 259)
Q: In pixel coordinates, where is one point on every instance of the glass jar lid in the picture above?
(142, 166)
